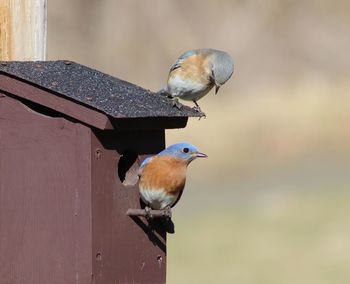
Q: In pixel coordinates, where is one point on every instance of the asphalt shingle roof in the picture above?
(110, 95)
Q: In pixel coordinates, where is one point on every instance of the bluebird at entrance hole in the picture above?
(163, 176)
(195, 73)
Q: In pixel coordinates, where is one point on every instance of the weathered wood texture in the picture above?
(45, 198)
(23, 29)
(63, 202)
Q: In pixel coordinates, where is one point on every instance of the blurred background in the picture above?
(271, 203)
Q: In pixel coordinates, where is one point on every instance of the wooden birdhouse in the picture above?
(71, 141)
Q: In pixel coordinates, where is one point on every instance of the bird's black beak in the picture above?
(201, 155)
(217, 87)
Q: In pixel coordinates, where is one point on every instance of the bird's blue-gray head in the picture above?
(222, 67)
(183, 151)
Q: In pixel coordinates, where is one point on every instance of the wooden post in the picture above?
(23, 29)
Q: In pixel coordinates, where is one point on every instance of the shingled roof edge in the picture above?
(94, 89)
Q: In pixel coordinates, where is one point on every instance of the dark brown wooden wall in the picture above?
(45, 198)
(62, 203)
(125, 250)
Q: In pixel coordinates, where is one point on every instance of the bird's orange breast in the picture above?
(164, 172)
(195, 68)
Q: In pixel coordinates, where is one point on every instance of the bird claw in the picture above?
(176, 103)
(167, 222)
(148, 213)
(198, 109)
(167, 213)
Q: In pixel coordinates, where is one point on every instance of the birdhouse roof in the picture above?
(93, 89)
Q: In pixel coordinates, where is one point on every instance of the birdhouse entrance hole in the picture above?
(128, 166)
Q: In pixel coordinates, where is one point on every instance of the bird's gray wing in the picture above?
(182, 57)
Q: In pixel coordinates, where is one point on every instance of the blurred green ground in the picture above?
(301, 236)
(271, 203)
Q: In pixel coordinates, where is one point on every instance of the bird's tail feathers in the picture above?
(168, 225)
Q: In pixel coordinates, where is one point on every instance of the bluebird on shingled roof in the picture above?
(110, 95)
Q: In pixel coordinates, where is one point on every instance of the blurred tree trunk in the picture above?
(23, 26)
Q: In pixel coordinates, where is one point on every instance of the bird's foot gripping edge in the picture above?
(198, 109)
(167, 212)
(167, 222)
(176, 103)
(148, 214)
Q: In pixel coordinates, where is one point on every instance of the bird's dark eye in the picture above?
(185, 150)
